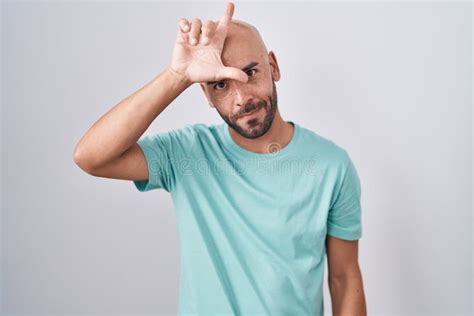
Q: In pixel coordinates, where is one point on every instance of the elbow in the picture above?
(82, 161)
(344, 276)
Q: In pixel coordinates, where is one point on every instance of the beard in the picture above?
(257, 128)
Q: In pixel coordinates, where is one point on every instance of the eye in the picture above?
(251, 70)
(216, 86)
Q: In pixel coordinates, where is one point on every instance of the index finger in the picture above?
(227, 18)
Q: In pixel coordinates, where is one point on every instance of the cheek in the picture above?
(220, 97)
(262, 88)
(223, 103)
(224, 107)
(217, 98)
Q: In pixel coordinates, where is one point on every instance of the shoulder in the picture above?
(324, 147)
(176, 141)
(191, 139)
(187, 133)
(194, 130)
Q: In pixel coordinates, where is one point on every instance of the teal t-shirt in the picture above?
(252, 226)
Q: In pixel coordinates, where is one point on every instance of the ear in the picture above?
(205, 93)
(274, 66)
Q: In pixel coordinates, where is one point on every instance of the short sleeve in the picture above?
(344, 217)
(159, 157)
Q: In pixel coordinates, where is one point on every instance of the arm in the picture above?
(109, 147)
(345, 278)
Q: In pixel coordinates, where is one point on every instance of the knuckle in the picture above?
(183, 24)
(207, 27)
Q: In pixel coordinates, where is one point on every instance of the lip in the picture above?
(250, 113)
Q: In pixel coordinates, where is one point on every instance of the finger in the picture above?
(233, 73)
(195, 30)
(227, 18)
(225, 21)
(181, 36)
(183, 25)
(207, 31)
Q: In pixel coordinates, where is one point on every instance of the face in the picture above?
(254, 118)
(248, 108)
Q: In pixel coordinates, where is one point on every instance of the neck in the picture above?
(278, 136)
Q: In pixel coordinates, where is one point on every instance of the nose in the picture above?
(241, 96)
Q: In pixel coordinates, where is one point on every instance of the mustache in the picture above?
(250, 107)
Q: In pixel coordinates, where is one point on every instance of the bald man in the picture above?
(259, 201)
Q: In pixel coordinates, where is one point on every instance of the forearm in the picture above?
(120, 128)
(347, 295)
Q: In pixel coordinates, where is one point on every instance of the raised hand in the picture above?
(198, 48)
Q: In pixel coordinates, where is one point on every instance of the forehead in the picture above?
(242, 46)
(241, 57)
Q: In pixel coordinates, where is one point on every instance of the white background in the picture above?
(391, 82)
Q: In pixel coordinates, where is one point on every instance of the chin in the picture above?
(252, 132)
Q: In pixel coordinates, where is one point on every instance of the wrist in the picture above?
(180, 78)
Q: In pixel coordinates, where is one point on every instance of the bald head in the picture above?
(243, 39)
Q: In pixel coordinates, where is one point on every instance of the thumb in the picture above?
(234, 73)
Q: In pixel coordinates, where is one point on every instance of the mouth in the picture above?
(250, 113)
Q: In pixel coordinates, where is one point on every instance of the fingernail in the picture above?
(193, 41)
(205, 40)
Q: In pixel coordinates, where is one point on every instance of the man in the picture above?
(259, 200)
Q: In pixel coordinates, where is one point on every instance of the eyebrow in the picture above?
(246, 68)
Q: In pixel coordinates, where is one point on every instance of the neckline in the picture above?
(251, 154)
